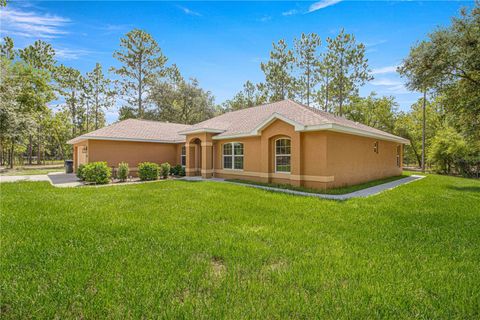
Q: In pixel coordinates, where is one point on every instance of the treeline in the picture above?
(43, 104)
(446, 67)
(328, 79)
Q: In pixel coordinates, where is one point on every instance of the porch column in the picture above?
(190, 157)
(207, 159)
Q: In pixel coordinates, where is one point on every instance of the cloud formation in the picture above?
(322, 4)
(385, 70)
(190, 12)
(32, 24)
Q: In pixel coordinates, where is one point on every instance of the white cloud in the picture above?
(190, 12)
(265, 18)
(31, 24)
(290, 12)
(385, 82)
(322, 4)
(71, 54)
(384, 70)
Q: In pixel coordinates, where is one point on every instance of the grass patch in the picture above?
(343, 190)
(206, 250)
(31, 171)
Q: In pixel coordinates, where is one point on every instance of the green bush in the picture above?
(97, 172)
(122, 172)
(148, 171)
(181, 173)
(80, 173)
(165, 170)
(175, 170)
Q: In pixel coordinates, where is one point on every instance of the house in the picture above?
(282, 142)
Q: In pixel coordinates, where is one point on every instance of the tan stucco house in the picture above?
(281, 142)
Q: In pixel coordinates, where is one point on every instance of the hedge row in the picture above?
(100, 173)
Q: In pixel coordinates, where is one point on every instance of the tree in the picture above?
(142, 62)
(70, 86)
(6, 49)
(40, 55)
(307, 60)
(448, 146)
(410, 126)
(102, 96)
(25, 92)
(250, 96)
(447, 63)
(377, 112)
(346, 67)
(279, 82)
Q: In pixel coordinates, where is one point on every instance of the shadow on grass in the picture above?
(466, 188)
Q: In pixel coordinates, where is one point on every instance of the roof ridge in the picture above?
(156, 121)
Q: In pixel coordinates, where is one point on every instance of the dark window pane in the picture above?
(238, 149)
(227, 162)
(283, 164)
(239, 163)
(227, 149)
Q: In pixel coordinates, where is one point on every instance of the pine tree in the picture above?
(142, 62)
(307, 60)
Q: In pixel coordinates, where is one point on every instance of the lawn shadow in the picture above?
(466, 188)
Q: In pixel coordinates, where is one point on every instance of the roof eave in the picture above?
(83, 138)
(200, 130)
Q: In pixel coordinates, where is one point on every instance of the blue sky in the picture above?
(223, 43)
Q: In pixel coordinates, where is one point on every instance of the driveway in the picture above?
(57, 179)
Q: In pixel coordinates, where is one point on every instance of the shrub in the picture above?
(80, 172)
(181, 173)
(165, 170)
(175, 170)
(97, 172)
(122, 172)
(148, 171)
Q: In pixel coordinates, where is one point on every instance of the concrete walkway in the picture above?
(57, 179)
(357, 194)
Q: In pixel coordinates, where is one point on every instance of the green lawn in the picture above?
(30, 171)
(343, 190)
(177, 249)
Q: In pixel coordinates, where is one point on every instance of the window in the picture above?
(282, 155)
(399, 151)
(375, 147)
(183, 157)
(233, 156)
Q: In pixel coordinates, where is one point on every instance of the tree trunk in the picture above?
(30, 149)
(326, 93)
(12, 149)
(96, 108)
(39, 154)
(423, 129)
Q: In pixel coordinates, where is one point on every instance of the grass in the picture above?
(343, 190)
(21, 171)
(203, 250)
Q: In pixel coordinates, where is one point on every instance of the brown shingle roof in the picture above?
(243, 122)
(137, 130)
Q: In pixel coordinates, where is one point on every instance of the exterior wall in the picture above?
(352, 160)
(319, 160)
(132, 152)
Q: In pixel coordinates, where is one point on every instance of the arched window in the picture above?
(282, 155)
(233, 155)
(183, 157)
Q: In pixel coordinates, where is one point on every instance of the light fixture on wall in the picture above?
(84, 150)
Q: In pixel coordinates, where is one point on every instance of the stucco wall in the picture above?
(114, 152)
(352, 159)
(318, 159)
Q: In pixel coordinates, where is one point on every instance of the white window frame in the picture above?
(233, 155)
(183, 156)
(283, 155)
